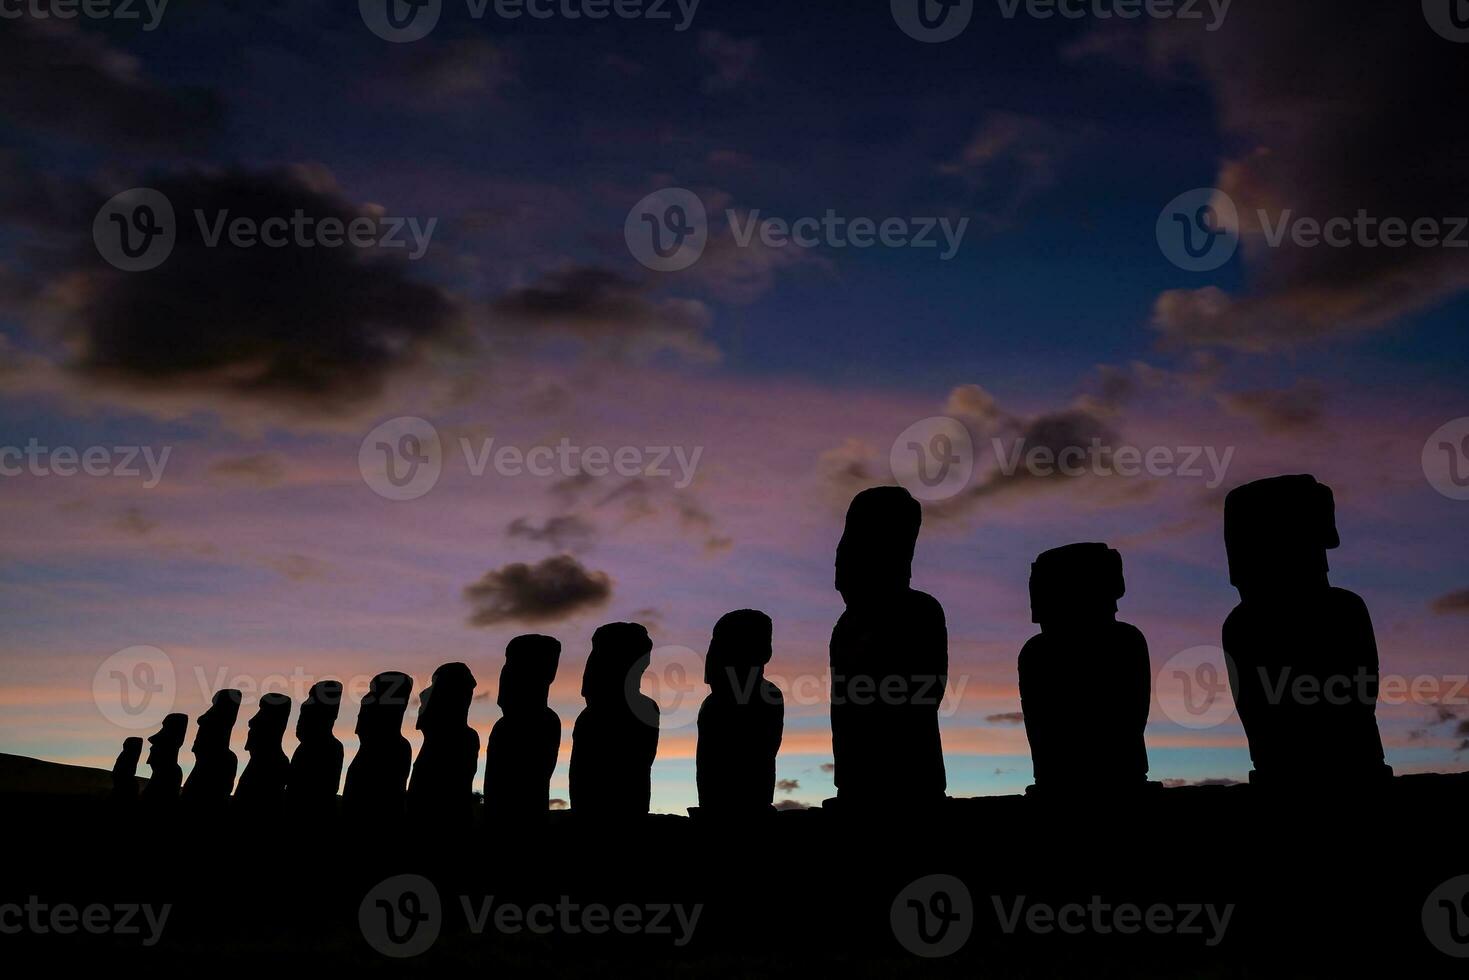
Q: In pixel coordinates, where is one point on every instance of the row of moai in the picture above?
(1085, 688)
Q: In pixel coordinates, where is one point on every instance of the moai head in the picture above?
(1277, 533)
(268, 726)
(741, 644)
(530, 667)
(319, 710)
(1076, 585)
(164, 745)
(217, 722)
(444, 704)
(384, 704)
(875, 554)
(620, 654)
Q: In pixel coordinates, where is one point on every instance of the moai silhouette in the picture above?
(1302, 655)
(1085, 680)
(213, 777)
(889, 661)
(377, 779)
(441, 789)
(520, 754)
(316, 765)
(125, 771)
(615, 738)
(263, 783)
(740, 722)
(163, 760)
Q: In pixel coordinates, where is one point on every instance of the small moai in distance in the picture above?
(1303, 655)
(125, 771)
(1086, 680)
(316, 765)
(740, 722)
(521, 752)
(263, 783)
(615, 738)
(212, 779)
(163, 760)
(441, 788)
(377, 779)
(889, 662)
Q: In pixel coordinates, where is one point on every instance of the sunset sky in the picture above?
(264, 558)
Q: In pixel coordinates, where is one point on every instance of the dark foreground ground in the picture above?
(1195, 882)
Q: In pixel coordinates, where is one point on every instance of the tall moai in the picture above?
(741, 721)
(615, 738)
(377, 779)
(316, 765)
(125, 772)
(889, 661)
(521, 752)
(163, 760)
(1302, 654)
(263, 783)
(441, 788)
(212, 779)
(1086, 681)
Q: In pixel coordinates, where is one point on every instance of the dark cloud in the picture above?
(1452, 603)
(787, 785)
(1008, 718)
(1290, 410)
(551, 590)
(1007, 160)
(1319, 136)
(791, 805)
(559, 804)
(134, 521)
(1176, 783)
(566, 532)
(601, 307)
(828, 767)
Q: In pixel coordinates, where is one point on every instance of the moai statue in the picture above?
(889, 662)
(1302, 655)
(1086, 681)
(521, 752)
(163, 760)
(213, 778)
(741, 721)
(125, 772)
(263, 783)
(316, 765)
(377, 779)
(615, 738)
(441, 789)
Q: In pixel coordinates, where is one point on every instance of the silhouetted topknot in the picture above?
(741, 639)
(321, 706)
(271, 716)
(387, 697)
(1075, 579)
(530, 667)
(619, 650)
(172, 731)
(1279, 521)
(877, 543)
(447, 697)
